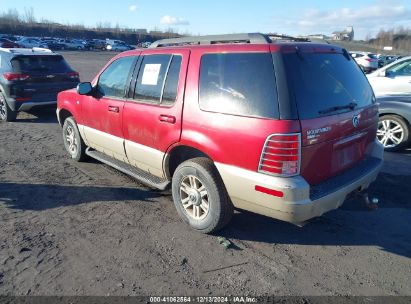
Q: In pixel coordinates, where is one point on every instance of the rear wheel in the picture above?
(393, 132)
(73, 142)
(6, 114)
(200, 196)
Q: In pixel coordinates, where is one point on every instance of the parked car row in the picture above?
(387, 59)
(370, 62)
(10, 41)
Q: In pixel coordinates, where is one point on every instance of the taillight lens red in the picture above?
(281, 155)
(15, 76)
(73, 75)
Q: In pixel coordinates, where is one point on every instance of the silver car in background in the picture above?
(392, 79)
(367, 61)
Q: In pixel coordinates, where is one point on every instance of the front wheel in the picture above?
(6, 114)
(393, 132)
(72, 140)
(200, 196)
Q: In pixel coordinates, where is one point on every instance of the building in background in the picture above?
(347, 34)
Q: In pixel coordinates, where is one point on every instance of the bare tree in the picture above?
(29, 16)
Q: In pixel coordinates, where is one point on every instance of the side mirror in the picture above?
(84, 88)
(382, 73)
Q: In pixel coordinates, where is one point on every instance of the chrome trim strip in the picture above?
(29, 105)
(260, 165)
(273, 154)
(282, 141)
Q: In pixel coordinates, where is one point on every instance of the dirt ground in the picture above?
(70, 228)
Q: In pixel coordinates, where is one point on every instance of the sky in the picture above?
(290, 17)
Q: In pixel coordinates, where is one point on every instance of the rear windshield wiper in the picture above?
(350, 106)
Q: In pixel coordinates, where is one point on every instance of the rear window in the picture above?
(239, 84)
(54, 64)
(322, 81)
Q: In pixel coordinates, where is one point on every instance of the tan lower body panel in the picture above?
(145, 158)
(139, 156)
(106, 143)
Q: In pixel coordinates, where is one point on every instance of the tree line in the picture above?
(399, 39)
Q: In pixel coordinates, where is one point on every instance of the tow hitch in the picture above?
(371, 203)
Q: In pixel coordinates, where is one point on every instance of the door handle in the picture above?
(168, 119)
(113, 109)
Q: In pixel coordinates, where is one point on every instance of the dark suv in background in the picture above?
(32, 77)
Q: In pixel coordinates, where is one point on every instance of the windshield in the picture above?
(55, 64)
(326, 84)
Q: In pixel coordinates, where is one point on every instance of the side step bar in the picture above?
(140, 175)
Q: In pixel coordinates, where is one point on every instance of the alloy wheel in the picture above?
(390, 133)
(3, 108)
(71, 140)
(194, 197)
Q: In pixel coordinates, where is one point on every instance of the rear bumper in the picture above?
(29, 105)
(300, 202)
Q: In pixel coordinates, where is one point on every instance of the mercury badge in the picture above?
(356, 121)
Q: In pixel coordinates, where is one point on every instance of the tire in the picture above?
(393, 132)
(73, 142)
(197, 185)
(6, 114)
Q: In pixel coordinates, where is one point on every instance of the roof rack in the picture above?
(25, 50)
(39, 49)
(5, 50)
(280, 37)
(255, 38)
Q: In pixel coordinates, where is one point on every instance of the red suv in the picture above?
(278, 127)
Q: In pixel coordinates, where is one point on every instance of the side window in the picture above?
(401, 69)
(151, 78)
(239, 84)
(113, 80)
(171, 84)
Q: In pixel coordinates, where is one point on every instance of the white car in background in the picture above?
(367, 61)
(72, 44)
(118, 47)
(392, 79)
(28, 42)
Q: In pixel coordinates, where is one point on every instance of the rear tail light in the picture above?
(15, 76)
(73, 75)
(281, 155)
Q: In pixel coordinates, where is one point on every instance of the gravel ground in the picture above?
(70, 228)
